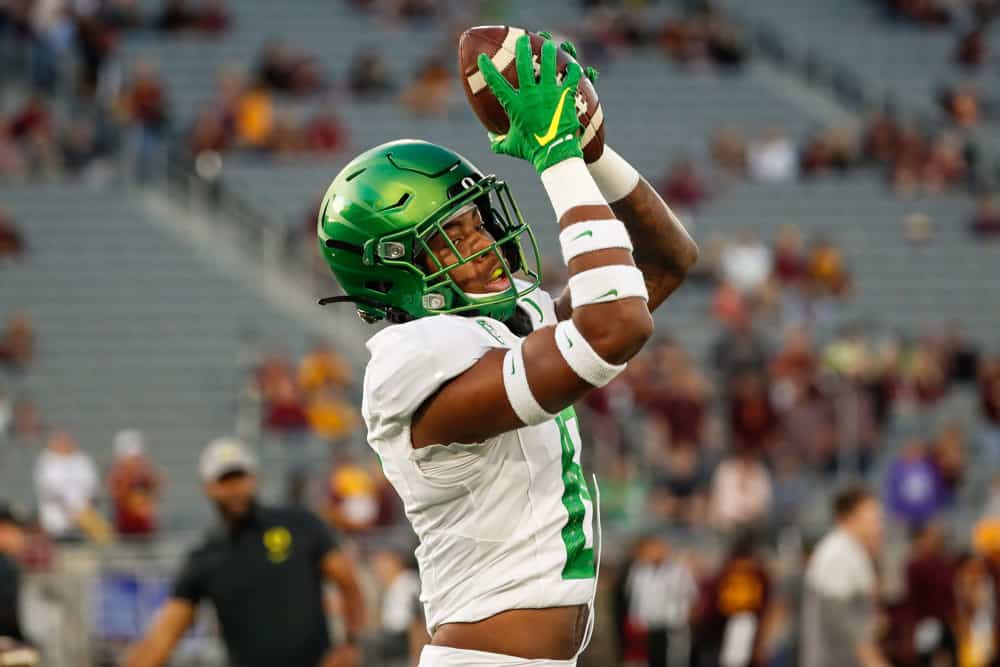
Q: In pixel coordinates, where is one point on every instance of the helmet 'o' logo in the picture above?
(468, 182)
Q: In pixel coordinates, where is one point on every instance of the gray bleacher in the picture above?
(897, 284)
(669, 112)
(134, 330)
(175, 359)
(897, 59)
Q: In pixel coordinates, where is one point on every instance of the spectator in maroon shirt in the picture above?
(209, 133)
(12, 243)
(739, 592)
(135, 486)
(32, 118)
(948, 456)
(796, 359)
(989, 390)
(324, 134)
(789, 259)
(144, 106)
(285, 409)
(972, 50)
(33, 129)
(986, 223)
(752, 418)
(683, 406)
(930, 581)
(683, 187)
(285, 416)
(927, 379)
(882, 139)
(213, 17)
(17, 342)
(145, 100)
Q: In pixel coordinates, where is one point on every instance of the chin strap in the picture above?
(393, 315)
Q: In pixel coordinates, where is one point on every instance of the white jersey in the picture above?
(503, 524)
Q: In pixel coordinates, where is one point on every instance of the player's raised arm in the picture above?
(554, 366)
(663, 249)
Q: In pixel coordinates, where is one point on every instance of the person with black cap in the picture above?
(264, 570)
(12, 543)
(14, 649)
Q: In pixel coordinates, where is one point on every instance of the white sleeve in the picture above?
(409, 362)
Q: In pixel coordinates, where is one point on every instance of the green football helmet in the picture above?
(381, 210)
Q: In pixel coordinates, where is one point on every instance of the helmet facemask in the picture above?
(502, 220)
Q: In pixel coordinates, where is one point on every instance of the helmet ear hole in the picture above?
(381, 286)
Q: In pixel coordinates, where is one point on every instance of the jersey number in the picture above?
(579, 557)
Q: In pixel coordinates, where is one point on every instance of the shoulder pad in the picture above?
(411, 361)
(539, 306)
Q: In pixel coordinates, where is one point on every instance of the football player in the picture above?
(469, 393)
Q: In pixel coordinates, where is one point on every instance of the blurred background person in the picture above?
(658, 594)
(12, 546)
(67, 484)
(840, 616)
(135, 485)
(732, 617)
(263, 568)
(401, 634)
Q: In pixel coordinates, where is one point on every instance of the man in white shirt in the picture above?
(772, 158)
(66, 483)
(741, 492)
(839, 611)
(747, 263)
(661, 591)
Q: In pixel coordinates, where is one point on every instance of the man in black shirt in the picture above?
(263, 569)
(11, 545)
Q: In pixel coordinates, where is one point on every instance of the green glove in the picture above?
(544, 128)
(591, 73)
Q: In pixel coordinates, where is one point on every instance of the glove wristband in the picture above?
(615, 177)
(569, 184)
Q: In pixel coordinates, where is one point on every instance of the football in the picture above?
(497, 42)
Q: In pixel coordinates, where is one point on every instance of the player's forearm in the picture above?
(869, 655)
(605, 310)
(664, 251)
(339, 568)
(150, 652)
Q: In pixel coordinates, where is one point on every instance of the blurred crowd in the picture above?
(47, 34)
(966, 104)
(915, 161)
(699, 35)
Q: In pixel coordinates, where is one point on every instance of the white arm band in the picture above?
(606, 283)
(582, 358)
(590, 235)
(615, 177)
(515, 381)
(570, 184)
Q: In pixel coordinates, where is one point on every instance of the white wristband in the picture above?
(569, 184)
(515, 382)
(615, 177)
(590, 235)
(582, 358)
(606, 283)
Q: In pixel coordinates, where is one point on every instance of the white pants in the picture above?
(443, 656)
